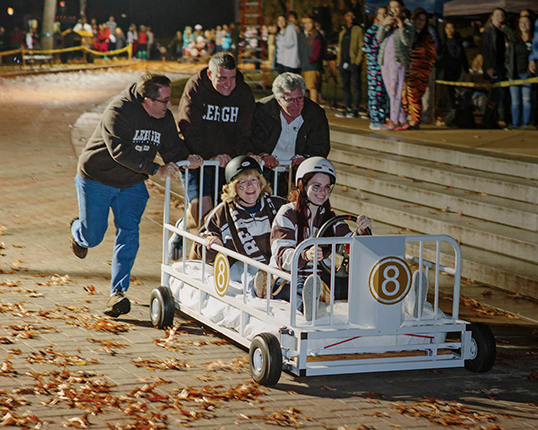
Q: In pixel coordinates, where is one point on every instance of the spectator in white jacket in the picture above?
(287, 45)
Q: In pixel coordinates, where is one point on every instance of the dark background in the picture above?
(164, 16)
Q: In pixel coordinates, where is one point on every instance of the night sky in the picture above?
(164, 16)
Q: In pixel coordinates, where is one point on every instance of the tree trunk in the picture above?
(49, 12)
(82, 9)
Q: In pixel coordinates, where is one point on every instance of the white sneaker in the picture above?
(311, 293)
(375, 126)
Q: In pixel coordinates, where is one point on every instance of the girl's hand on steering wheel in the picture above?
(310, 254)
(363, 223)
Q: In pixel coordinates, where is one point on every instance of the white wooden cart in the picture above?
(385, 325)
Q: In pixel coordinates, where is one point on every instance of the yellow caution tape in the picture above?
(116, 52)
(489, 85)
(13, 51)
(58, 51)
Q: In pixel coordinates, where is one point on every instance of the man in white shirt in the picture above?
(288, 126)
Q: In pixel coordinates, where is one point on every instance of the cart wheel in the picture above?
(161, 307)
(483, 348)
(265, 358)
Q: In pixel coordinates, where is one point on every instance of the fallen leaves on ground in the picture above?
(55, 280)
(474, 306)
(90, 289)
(53, 356)
(108, 345)
(89, 322)
(359, 427)
(7, 369)
(286, 418)
(447, 414)
(244, 392)
(149, 421)
(168, 363)
(25, 420)
(235, 365)
(77, 422)
(10, 283)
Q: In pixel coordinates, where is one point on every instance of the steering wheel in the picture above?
(342, 251)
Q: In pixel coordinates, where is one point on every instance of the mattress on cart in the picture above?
(228, 316)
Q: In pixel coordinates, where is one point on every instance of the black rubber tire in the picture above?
(265, 359)
(161, 307)
(486, 350)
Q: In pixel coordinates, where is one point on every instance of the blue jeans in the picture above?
(128, 204)
(521, 95)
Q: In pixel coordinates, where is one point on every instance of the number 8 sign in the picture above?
(390, 280)
(221, 270)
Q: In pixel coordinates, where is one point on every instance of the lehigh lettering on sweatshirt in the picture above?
(220, 114)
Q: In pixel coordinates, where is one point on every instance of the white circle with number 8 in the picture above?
(390, 280)
(221, 270)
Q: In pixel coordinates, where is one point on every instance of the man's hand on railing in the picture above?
(298, 159)
(195, 161)
(168, 170)
(270, 161)
(223, 159)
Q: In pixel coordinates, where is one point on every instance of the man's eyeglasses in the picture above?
(291, 100)
(164, 102)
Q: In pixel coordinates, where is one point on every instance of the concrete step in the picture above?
(474, 232)
(477, 205)
(511, 187)
(457, 156)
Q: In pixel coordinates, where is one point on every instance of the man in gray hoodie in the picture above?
(112, 169)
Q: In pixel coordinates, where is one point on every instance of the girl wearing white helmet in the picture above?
(300, 220)
(242, 222)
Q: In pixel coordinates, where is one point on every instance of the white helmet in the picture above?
(315, 165)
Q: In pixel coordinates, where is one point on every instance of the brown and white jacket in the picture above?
(284, 238)
(240, 231)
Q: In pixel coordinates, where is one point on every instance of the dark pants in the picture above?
(283, 69)
(351, 74)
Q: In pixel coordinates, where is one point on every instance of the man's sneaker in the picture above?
(175, 243)
(118, 305)
(376, 126)
(78, 250)
(260, 284)
(352, 114)
(311, 292)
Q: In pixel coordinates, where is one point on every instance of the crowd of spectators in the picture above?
(404, 55)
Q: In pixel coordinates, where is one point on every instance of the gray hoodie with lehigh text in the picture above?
(123, 147)
(213, 124)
